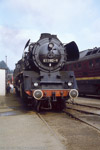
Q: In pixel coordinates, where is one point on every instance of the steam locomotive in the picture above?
(39, 77)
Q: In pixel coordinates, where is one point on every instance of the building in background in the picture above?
(7, 81)
(2, 82)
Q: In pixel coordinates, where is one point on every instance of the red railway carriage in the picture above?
(87, 71)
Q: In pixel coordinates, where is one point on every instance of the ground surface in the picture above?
(22, 129)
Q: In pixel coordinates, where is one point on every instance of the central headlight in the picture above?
(36, 84)
(51, 45)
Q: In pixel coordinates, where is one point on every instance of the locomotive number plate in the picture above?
(50, 60)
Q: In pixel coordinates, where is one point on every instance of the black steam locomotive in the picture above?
(39, 77)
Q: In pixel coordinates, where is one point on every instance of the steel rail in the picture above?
(77, 115)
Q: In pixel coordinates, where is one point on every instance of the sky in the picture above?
(70, 20)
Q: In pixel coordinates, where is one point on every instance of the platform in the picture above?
(20, 130)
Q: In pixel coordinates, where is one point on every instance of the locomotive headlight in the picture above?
(69, 83)
(36, 84)
(50, 45)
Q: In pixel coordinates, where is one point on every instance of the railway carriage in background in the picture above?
(87, 71)
(39, 77)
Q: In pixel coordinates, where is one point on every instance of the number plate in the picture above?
(50, 60)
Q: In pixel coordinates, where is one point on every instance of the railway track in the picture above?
(87, 114)
(92, 105)
(51, 129)
(43, 120)
(88, 109)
